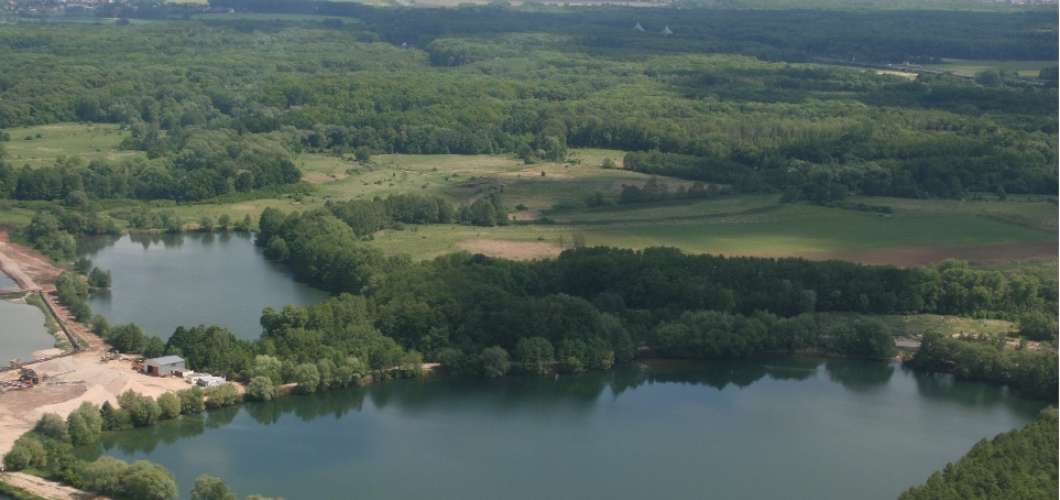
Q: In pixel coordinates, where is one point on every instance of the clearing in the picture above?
(41, 145)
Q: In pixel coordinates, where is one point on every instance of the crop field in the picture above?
(42, 145)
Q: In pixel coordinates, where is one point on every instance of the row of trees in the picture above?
(206, 164)
(48, 449)
(368, 216)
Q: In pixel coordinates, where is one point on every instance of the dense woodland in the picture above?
(706, 103)
(1017, 464)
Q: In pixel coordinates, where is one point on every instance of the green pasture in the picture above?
(41, 145)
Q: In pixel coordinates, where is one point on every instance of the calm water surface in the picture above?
(22, 331)
(162, 282)
(774, 429)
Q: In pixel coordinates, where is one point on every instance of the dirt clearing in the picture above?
(514, 250)
(69, 381)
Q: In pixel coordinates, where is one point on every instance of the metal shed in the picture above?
(164, 366)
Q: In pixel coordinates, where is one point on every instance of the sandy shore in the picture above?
(68, 382)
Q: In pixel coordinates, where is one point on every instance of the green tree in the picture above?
(222, 395)
(170, 405)
(191, 401)
(53, 426)
(103, 476)
(26, 452)
(260, 388)
(211, 488)
(534, 354)
(143, 410)
(85, 424)
(495, 362)
(144, 480)
(307, 377)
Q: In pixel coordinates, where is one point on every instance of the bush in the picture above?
(26, 452)
(143, 410)
(103, 476)
(53, 426)
(144, 480)
(261, 389)
(85, 424)
(1038, 326)
(494, 362)
(114, 419)
(220, 396)
(307, 377)
(170, 405)
(267, 366)
(211, 488)
(534, 354)
(191, 401)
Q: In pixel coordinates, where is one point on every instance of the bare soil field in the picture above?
(918, 256)
(515, 250)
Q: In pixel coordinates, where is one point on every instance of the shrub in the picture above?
(144, 480)
(53, 426)
(191, 401)
(261, 389)
(495, 362)
(170, 405)
(222, 395)
(103, 476)
(85, 424)
(307, 377)
(534, 354)
(26, 452)
(211, 488)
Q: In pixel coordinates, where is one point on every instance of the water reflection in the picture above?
(859, 377)
(579, 393)
(217, 278)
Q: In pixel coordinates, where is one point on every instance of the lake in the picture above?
(22, 331)
(787, 428)
(161, 282)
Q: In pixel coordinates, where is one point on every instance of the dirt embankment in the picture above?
(30, 270)
(44, 488)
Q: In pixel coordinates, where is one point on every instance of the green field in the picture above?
(42, 145)
(554, 217)
(750, 225)
(968, 67)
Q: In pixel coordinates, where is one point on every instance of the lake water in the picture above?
(22, 331)
(791, 428)
(162, 282)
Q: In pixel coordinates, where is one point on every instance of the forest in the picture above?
(711, 103)
(810, 106)
(1017, 464)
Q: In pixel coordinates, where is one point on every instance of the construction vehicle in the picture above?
(28, 376)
